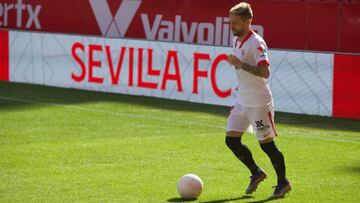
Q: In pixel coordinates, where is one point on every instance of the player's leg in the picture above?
(236, 125)
(263, 123)
(277, 159)
(241, 151)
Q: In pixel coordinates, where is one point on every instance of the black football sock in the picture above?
(242, 153)
(277, 159)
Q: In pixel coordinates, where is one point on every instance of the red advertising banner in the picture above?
(330, 25)
(346, 91)
(4, 55)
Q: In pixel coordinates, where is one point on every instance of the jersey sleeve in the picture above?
(261, 54)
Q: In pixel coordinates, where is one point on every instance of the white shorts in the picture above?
(261, 119)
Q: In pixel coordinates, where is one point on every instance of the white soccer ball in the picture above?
(190, 186)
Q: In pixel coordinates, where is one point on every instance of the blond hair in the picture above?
(242, 9)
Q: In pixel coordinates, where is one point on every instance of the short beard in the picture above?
(237, 34)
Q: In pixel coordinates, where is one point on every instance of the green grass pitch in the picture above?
(63, 145)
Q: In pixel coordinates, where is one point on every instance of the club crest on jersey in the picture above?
(243, 52)
(262, 49)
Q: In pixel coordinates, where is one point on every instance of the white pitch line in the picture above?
(169, 121)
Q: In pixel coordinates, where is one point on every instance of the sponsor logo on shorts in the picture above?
(267, 134)
(260, 126)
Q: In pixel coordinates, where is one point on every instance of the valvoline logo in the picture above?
(114, 26)
(175, 30)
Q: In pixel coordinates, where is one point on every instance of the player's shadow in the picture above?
(264, 200)
(180, 200)
(229, 199)
(355, 169)
(245, 197)
(212, 201)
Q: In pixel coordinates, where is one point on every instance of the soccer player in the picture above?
(254, 103)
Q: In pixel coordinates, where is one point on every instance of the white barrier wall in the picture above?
(301, 82)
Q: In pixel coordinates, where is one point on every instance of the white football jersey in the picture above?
(252, 90)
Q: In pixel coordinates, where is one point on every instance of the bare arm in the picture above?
(261, 70)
